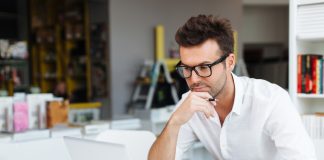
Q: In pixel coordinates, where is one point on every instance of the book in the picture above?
(93, 127)
(19, 97)
(57, 113)
(83, 115)
(315, 69)
(59, 131)
(313, 124)
(310, 74)
(303, 74)
(37, 110)
(6, 114)
(319, 76)
(129, 123)
(299, 75)
(20, 116)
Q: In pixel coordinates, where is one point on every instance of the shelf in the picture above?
(311, 37)
(303, 95)
(8, 15)
(308, 2)
(85, 105)
(171, 62)
(64, 47)
(78, 76)
(13, 61)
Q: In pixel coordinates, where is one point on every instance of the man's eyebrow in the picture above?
(202, 63)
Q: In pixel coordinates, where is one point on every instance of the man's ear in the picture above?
(231, 61)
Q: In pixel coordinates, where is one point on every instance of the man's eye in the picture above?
(202, 68)
(187, 68)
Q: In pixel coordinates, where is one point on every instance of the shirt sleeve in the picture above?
(186, 136)
(285, 128)
(186, 139)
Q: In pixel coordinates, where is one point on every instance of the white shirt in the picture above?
(263, 125)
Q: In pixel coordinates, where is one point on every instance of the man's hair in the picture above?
(201, 28)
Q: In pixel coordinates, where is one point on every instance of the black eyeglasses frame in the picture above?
(179, 64)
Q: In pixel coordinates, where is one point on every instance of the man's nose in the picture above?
(194, 77)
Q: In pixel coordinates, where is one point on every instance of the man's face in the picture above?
(206, 53)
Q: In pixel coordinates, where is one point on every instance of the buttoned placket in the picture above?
(223, 137)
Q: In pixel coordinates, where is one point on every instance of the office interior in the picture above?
(85, 68)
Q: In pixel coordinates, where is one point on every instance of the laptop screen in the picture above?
(85, 149)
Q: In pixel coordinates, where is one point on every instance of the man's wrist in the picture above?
(173, 123)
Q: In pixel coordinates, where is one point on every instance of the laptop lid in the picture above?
(85, 149)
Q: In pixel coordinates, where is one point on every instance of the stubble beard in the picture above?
(221, 89)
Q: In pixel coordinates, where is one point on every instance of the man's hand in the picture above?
(165, 145)
(195, 102)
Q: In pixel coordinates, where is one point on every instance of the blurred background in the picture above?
(93, 50)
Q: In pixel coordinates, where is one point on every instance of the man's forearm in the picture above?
(164, 147)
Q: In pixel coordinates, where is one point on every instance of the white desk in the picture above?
(319, 145)
(55, 149)
(43, 149)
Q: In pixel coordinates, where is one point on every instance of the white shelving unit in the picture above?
(306, 35)
(302, 95)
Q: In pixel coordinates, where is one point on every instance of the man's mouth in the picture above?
(199, 89)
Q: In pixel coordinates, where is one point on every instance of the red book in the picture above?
(308, 84)
(314, 76)
(299, 73)
(303, 73)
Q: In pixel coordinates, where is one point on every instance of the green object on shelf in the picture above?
(34, 89)
(3, 93)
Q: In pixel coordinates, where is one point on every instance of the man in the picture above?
(233, 117)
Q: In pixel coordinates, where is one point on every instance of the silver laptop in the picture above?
(85, 149)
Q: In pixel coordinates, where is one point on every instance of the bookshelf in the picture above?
(303, 95)
(14, 75)
(306, 36)
(60, 47)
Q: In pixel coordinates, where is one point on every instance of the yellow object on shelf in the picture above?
(171, 62)
(87, 50)
(159, 42)
(88, 105)
(159, 49)
(235, 36)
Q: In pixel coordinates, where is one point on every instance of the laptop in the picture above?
(85, 149)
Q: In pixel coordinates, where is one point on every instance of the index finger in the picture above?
(203, 95)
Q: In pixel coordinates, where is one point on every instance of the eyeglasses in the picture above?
(203, 70)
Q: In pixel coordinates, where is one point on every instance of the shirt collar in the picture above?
(238, 99)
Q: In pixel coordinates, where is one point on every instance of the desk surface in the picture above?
(49, 149)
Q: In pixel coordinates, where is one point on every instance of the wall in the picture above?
(98, 13)
(265, 24)
(266, 27)
(132, 35)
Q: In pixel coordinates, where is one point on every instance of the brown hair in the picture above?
(201, 28)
